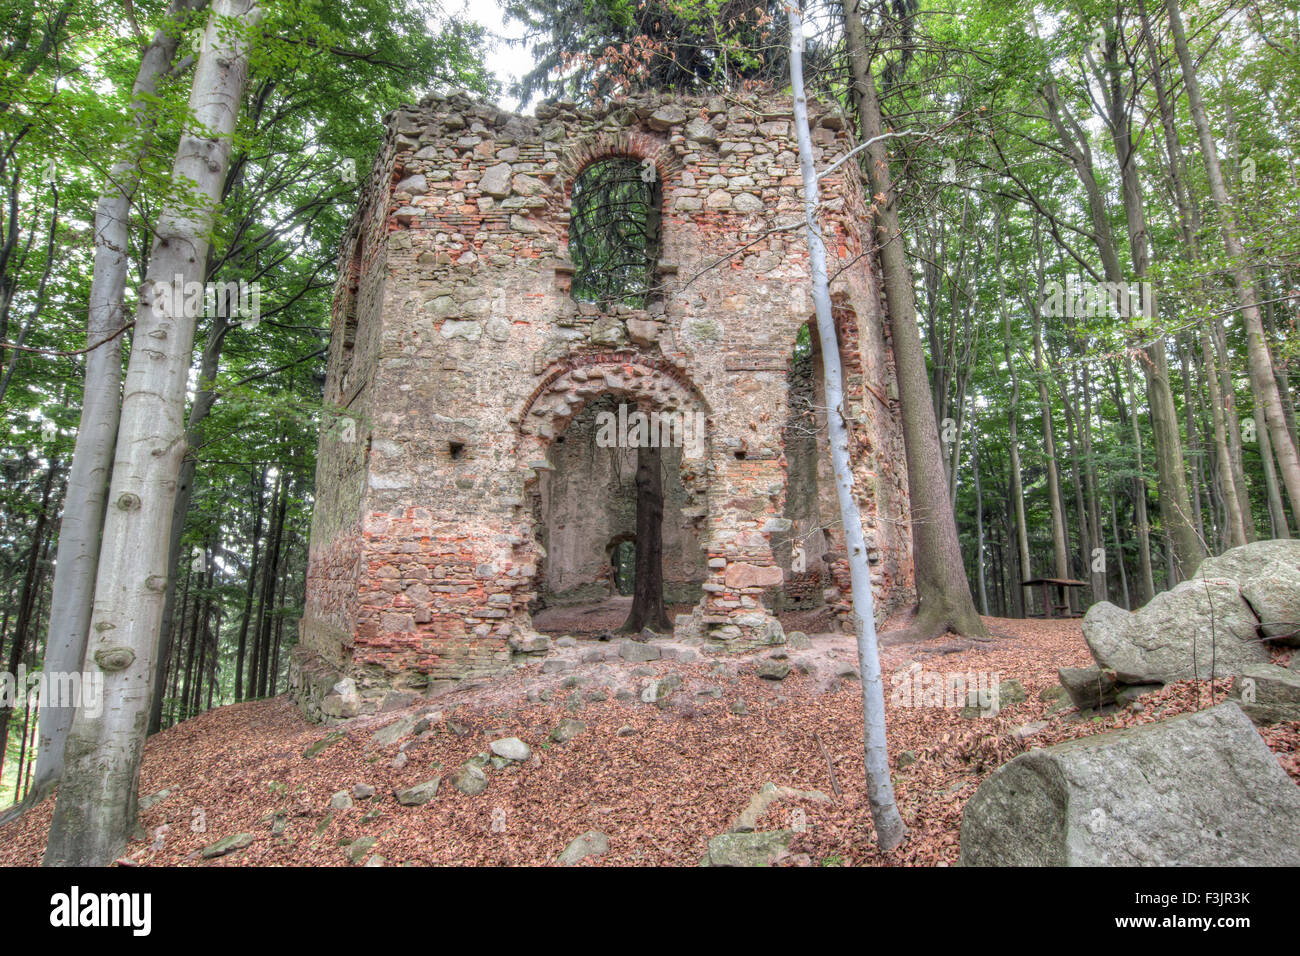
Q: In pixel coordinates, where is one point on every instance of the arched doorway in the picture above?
(588, 432)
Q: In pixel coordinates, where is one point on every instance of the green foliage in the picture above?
(613, 231)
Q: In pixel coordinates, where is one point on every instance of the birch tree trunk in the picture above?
(96, 807)
(77, 557)
(890, 829)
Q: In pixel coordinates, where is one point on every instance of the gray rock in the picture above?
(392, 733)
(567, 730)
(1273, 593)
(511, 748)
(1240, 563)
(230, 844)
(702, 131)
(1177, 634)
(151, 801)
(747, 849)
(773, 669)
(657, 691)
(762, 801)
(636, 653)
(1197, 790)
(1269, 694)
(1011, 692)
(469, 780)
(1025, 731)
(666, 116)
(416, 185)
(1088, 686)
(420, 794)
(341, 801)
(591, 843)
(496, 181)
(359, 847)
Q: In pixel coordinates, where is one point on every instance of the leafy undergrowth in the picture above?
(659, 790)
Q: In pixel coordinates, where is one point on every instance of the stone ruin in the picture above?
(458, 487)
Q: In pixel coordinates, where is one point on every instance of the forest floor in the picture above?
(660, 781)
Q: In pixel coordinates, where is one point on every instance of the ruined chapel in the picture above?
(476, 343)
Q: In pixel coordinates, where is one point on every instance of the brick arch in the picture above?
(577, 379)
(633, 144)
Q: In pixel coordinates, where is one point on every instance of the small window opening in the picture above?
(623, 560)
(614, 232)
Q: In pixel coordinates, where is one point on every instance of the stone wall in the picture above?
(470, 358)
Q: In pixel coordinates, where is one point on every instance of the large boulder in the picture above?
(1240, 563)
(1269, 694)
(1088, 687)
(1273, 593)
(1179, 634)
(1268, 573)
(1197, 790)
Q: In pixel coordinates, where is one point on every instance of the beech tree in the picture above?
(96, 805)
(92, 458)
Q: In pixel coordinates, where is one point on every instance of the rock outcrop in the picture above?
(1197, 627)
(1197, 790)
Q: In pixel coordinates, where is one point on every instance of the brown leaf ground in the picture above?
(659, 793)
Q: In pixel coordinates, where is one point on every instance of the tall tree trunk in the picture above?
(1017, 493)
(1259, 362)
(273, 573)
(252, 583)
(76, 561)
(648, 583)
(97, 803)
(943, 591)
(1060, 554)
(1236, 526)
(979, 523)
(1146, 585)
(23, 625)
(202, 405)
(1175, 500)
(890, 829)
(1119, 551)
(1276, 512)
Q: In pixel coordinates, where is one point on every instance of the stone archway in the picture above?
(614, 386)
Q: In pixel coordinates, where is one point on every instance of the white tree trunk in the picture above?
(92, 459)
(890, 828)
(96, 807)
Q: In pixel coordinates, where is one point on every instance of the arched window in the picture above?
(614, 231)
